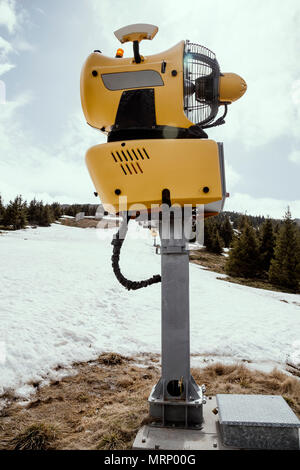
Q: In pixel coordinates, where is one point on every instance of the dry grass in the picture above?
(216, 263)
(222, 378)
(112, 359)
(210, 261)
(103, 406)
(258, 284)
(89, 223)
(35, 437)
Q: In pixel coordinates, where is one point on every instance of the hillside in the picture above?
(61, 304)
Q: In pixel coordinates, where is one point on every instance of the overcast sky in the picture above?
(43, 134)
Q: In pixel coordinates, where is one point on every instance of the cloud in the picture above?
(21, 45)
(6, 68)
(264, 52)
(295, 92)
(261, 44)
(8, 17)
(5, 47)
(14, 18)
(245, 203)
(294, 157)
(55, 174)
(232, 177)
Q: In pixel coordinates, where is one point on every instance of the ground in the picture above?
(216, 263)
(105, 403)
(62, 308)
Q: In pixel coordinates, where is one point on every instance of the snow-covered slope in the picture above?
(60, 302)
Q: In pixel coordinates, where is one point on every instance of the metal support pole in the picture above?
(176, 399)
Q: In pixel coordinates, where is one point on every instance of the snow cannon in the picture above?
(159, 164)
(154, 111)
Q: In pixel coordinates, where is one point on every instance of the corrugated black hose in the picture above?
(117, 243)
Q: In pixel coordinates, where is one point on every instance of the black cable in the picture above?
(219, 121)
(117, 243)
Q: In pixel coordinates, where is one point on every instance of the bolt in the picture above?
(215, 444)
(143, 440)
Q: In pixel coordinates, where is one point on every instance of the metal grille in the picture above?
(200, 62)
(130, 161)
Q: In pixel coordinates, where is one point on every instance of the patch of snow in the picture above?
(25, 391)
(60, 303)
(293, 358)
(111, 217)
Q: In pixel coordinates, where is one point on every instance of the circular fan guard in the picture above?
(201, 84)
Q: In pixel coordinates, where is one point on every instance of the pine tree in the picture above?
(226, 232)
(285, 267)
(217, 243)
(243, 260)
(16, 214)
(207, 235)
(242, 222)
(57, 210)
(34, 210)
(267, 245)
(2, 210)
(46, 216)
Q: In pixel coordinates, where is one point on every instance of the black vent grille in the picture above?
(130, 161)
(201, 84)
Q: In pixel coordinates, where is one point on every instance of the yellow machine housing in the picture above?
(191, 169)
(154, 110)
(104, 79)
(100, 104)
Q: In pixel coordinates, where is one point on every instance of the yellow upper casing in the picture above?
(142, 169)
(100, 104)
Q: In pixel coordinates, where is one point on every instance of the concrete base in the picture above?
(167, 438)
(242, 422)
(258, 422)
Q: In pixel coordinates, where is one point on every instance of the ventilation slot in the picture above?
(129, 154)
(140, 153)
(134, 168)
(130, 160)
(129, 169)
(139, 167)
(146, 154)
(120, 158)
(124, 156)
(136, 155)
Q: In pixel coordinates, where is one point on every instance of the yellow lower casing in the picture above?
(142, 169)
